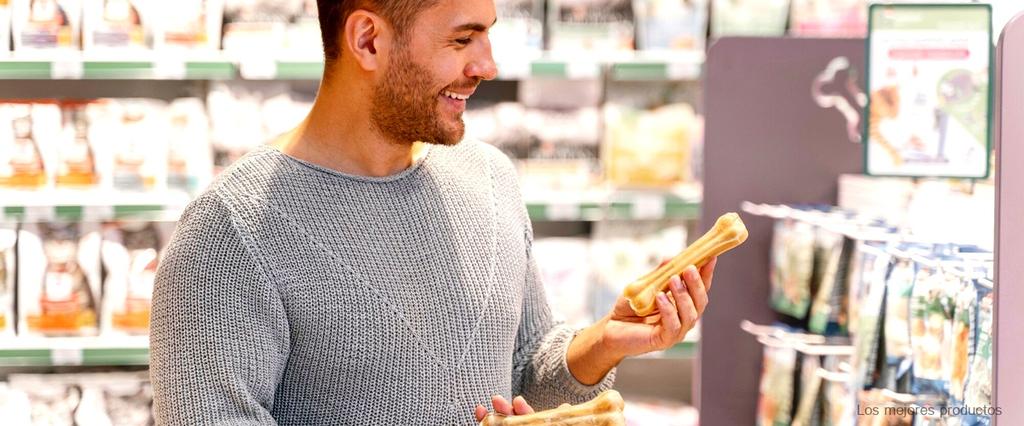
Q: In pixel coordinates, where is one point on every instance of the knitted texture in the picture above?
(298, 295)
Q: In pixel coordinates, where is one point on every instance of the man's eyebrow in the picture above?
(473, 26)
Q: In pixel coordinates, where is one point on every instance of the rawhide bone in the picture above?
(605, 410)
(727, 233)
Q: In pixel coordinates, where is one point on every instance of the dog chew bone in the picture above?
(727, 233)
(605, 410)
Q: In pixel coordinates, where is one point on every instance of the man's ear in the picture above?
(365, 35)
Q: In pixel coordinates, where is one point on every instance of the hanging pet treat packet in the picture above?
(130, 252)
(931, 316)
(116, 25)
(8, 240)
(58, 279)
(775, 405)
(965, 319)
(46, 24)
(839, 402)
(808, 408)
(899, 287)
(827, 309)
(978, 392)
(867, 331)
(792, 266)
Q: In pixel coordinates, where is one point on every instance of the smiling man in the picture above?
(368, 268)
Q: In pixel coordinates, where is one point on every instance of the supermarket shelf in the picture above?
(140, 66)
(73, 206)
(630, 66)
(64, 351)
(596, 205)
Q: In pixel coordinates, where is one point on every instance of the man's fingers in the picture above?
(707, 273)
(520, 406)
(670, 326)
(695, 288)
(481, 412)
(500, 405)
(688, 313)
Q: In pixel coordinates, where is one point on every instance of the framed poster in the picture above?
(930, 84)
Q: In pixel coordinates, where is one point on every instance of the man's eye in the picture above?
(463, 41)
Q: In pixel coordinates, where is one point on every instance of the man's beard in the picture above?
(405, 109)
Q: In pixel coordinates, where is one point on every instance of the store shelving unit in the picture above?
(590, 205)
(74, 351)
(630, 66)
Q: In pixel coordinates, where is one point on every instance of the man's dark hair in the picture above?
(333, 13)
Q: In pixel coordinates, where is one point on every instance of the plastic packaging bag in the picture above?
(58, 279)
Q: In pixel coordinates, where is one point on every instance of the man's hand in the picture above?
(518, 407)
(600, 347)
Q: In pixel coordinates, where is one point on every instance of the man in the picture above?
(370, 269)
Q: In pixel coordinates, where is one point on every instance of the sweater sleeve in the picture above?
(219, 333)
(541, 373)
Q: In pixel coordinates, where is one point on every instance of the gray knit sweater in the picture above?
(294, 294)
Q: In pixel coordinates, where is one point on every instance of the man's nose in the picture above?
(483, 67)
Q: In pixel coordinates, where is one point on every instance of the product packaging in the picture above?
(829, 18)
(868, 328)
(590, 25)
(189, 155)
(58, 279)
(931, 314)
(520, 28)
(775, 404)
(116, 25)
(671, 24)
(645, 148)
(882, 408)
(765, 18)
(258, 25)
(130, 253)
(965, 333)
(304, 30)
(828, 310)
(898, 352)
(5, 27)
(978, 395)
(839, 402)
(8, 241)
(187, 25)
(26, 134)
(809, 406)
(792, 267)
(46, 24)
(135, 134)
(76, 155)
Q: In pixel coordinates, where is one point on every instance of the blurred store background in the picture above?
(115, 113)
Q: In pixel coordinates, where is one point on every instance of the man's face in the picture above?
(432, 71)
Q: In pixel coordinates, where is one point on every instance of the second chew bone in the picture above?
(727, 233)
(605, 410)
